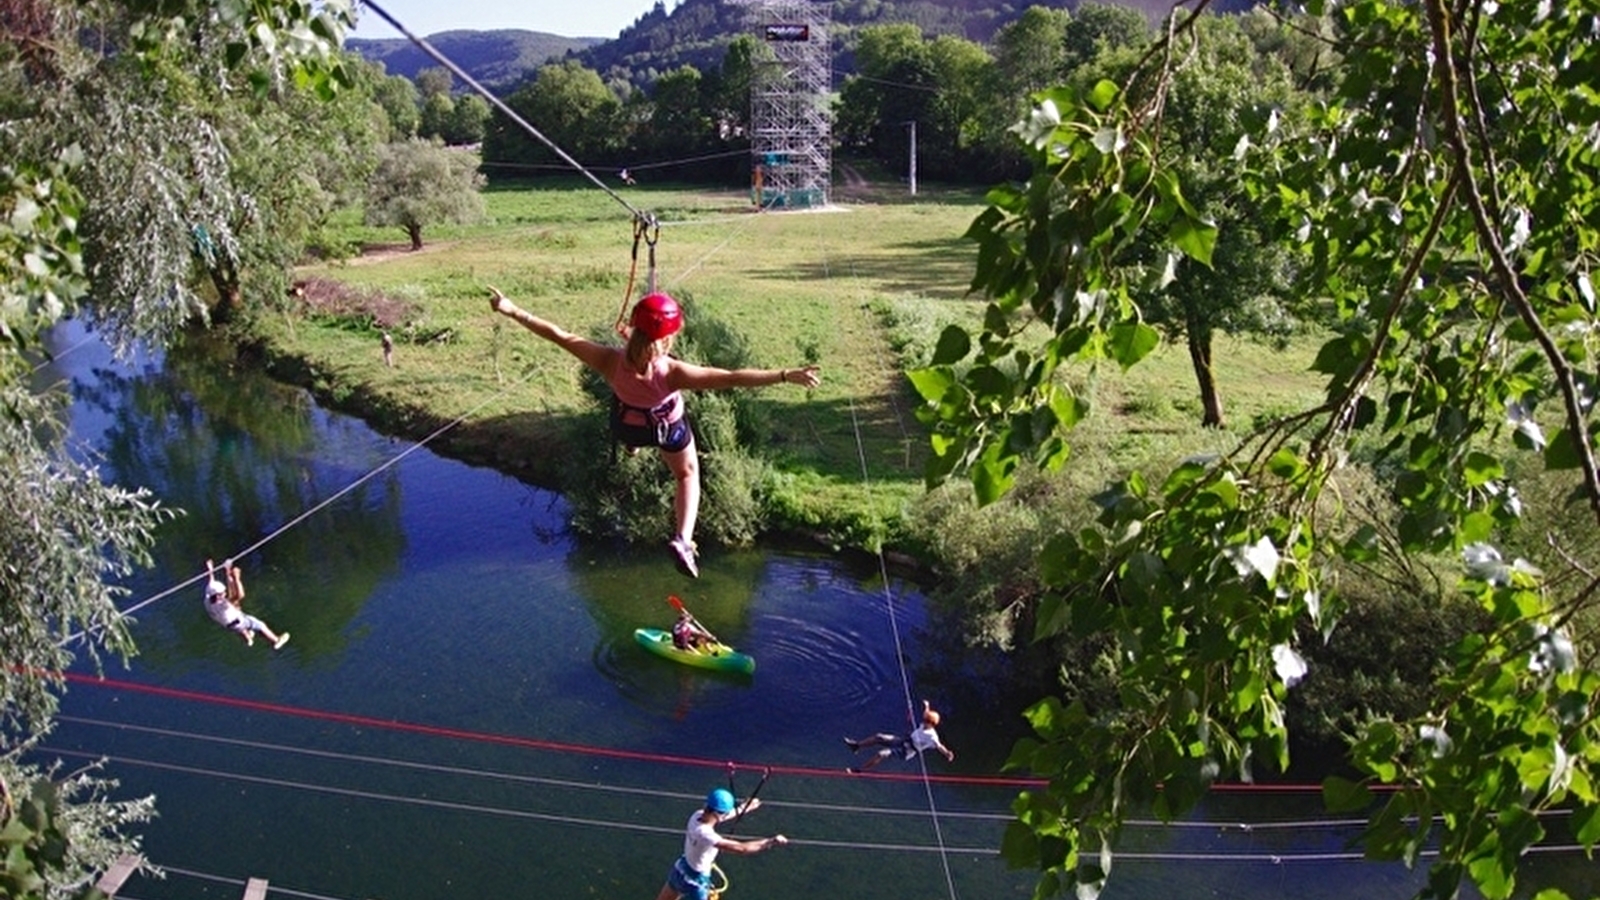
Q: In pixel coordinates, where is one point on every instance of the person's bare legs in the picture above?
(667, 893)
(278, 640)
(685, 466)
(878, 757)
(872, 740)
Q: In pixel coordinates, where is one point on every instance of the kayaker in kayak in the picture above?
(687, 633)
(923, 737)
(690, 875)
(648, 384)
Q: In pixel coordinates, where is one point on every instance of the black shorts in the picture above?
(642, 428)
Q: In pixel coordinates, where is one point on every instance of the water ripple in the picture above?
(821, 667)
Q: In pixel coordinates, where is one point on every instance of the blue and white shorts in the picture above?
(686, 881)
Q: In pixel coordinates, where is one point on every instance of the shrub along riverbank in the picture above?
(863, 290)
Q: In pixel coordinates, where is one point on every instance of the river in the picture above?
(462, 711)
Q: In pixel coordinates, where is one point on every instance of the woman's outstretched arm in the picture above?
(592, 354)
(688, 376)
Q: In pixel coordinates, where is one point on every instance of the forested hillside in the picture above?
(497, 59)
(696, 31)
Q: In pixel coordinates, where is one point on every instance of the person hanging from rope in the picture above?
(923, 737)
(649, 383)
(690, 875)
(224, 602)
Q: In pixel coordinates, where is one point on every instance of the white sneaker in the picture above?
(684, 550)
(282, 639)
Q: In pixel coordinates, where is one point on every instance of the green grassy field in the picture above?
(858, 287)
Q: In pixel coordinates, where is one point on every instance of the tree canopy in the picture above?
(1439, 203)
(420, 183)
(121, 188)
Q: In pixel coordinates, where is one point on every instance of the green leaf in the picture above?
(931, 384)
(1109, 140)
(1225, 490)
(1132, 341)
(1480, 468)
(1102, 94)
(1058, 561)
(1561, 453)
(1362, 546)
(989, 382)
(954, 345)
(1341, 795)
(1340, 355)
(991, 479)
(1286, 464)
(1069, 408)
(1476, 526)
(1196, 238)
(1493, 876)
(1586, 825)
(1019, 847)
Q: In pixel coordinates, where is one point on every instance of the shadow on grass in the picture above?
(936, 269)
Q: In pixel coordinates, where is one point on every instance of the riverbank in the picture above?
(856, 289)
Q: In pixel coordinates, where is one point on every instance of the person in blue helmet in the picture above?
(690, 875)
(649, 383)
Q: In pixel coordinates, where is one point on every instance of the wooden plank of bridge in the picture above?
(255, 889)
(113, 879)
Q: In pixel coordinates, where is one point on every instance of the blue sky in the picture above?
(567, 18)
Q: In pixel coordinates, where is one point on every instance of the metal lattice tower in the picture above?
(791, 132)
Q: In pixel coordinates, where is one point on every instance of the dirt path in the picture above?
(851, 183)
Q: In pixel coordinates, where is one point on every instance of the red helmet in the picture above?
(656, 316)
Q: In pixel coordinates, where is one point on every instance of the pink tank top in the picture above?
(647, 391)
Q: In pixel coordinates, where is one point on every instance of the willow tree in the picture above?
(1444, 205)
(422, 182)
(73, 119)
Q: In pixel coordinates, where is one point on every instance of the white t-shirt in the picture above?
(924, 738)
(217, 606)
(700, 844)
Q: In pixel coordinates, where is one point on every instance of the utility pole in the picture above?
(913, 124)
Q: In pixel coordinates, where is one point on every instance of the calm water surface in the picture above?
(462, 711)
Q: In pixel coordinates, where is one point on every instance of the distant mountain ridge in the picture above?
(497, 59)
(697, 33)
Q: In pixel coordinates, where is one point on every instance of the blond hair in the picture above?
(641, 351)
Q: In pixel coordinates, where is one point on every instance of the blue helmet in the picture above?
(720, 801)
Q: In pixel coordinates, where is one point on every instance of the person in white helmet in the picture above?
(224, 599)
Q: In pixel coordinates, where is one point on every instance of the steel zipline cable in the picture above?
(624, 826)
(512, 740)
(900, 660)
(318, 507)
(499, 104)
(369, 760)
(641, 219)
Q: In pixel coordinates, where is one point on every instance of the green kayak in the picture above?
(718, 657)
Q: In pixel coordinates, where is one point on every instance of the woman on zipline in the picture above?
(648, 383)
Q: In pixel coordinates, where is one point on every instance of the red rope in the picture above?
(515, 740)
(511, 740)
